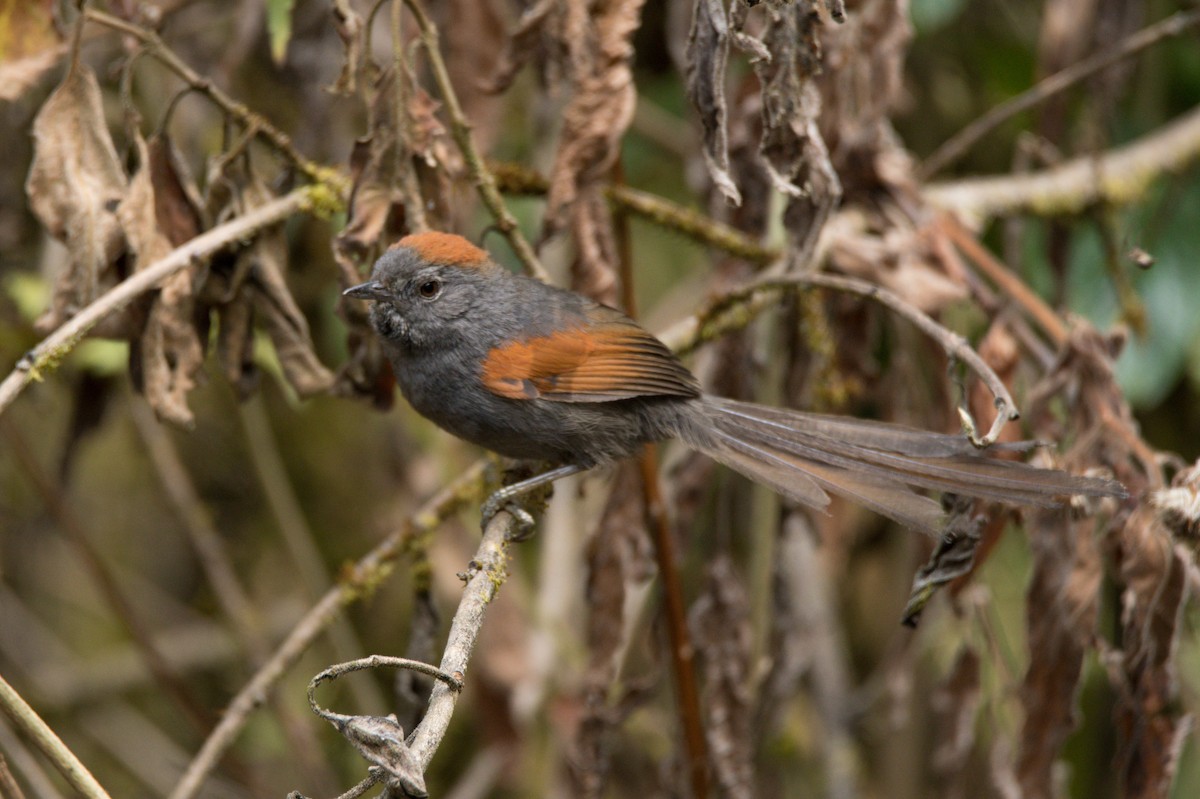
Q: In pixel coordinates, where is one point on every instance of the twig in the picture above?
(260, 127)
(50, 744)
(460, 127)
(520, 180)
(954, 147)
(53, 348)
(1118, 176)
(9, 787)
(738, 307)
(358, 581)
(1012, 286)
(683, 661)
(489, 569)
(414, 203)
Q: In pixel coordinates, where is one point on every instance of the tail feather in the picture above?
(804, 455)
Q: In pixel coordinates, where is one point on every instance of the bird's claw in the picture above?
(524, 525)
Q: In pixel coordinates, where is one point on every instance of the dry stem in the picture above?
(54, 347)
(460, 127)
(958, 144)
(38, 732)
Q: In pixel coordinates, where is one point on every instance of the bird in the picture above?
(540, 373)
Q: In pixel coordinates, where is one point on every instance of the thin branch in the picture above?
(235, 109)
(737, 308)
(1012, 286)
(356, 582)
(460, 127)
(683, 661)
(50, 352)
(50, 744)
(958, 144)
(520, 180)
(1118, 176)
(489, 569)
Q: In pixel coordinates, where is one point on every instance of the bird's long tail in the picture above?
(805, 455)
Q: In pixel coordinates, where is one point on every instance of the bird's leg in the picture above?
(503, 499)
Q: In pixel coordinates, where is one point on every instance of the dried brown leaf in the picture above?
(75, 184)
(284, 323)
(1150, 721)
(594, 270)
(600, 108)
(177, 203)
(170, 352)
(792, 148)
(720, 623)
(527, 42)
(1061, 602)
(707, 58)
(1063, 594)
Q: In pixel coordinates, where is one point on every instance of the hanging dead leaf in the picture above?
(525, 43)
(169, 350)
(594, 269)
(75, 185)
(600, 108)
(707, 58)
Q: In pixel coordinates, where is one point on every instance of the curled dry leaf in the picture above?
(284, 323)
(792, 148)
(380, 740)
(720, 622)
(253, 285)
(168, 350)
(1061, 602)
(600, 108)
(1063, 594)
(707, 57)
(594, 270)
(1150, 720)
(75, 185)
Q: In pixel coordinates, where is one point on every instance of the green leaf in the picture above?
(279, 27)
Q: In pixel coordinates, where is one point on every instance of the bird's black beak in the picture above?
(371, 290)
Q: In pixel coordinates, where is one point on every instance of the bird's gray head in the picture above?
(428, 288)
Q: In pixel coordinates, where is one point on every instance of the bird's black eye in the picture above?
(430, 289)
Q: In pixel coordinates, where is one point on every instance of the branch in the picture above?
(954, 147)
(460, 127)
(737, 308)
(50, 744)
(1118, 176)
(47, 355)
(489, 569)
(256, 124)
(358, 581)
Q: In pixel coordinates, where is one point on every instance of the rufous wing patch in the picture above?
(608, 360)
(448, 249)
